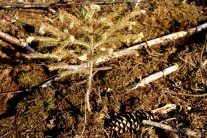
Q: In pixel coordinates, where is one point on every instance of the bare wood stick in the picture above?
(154, 42)
(24, 5)
(15, 41)
(10, 39)
(12, 92)
(131, 50)
(153, 77)
(42, 85)
(165, 109)
(187, 132)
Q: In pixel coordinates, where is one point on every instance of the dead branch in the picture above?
(24, 5)
(165, 109)
(154, 42)
(95, 71)
(15, 41)
(187, 132)
(153, 77)
(10, 39)
(42, 85)
(133, 50)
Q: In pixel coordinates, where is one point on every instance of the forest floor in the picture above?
(59, 110)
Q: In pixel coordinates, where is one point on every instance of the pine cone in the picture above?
(126, 122)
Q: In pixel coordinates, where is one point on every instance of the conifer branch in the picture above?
(132, 50)
(81, 43)
(126, 38)
(50, 29)
(124, 22)
(71, 17)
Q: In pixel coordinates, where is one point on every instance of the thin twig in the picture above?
(187, 132)
(85, 120)
(10, 39)
(95, 71)
(4, 135)
(42, 85)
(88, 91)
(188, 95)
(137, 3)
(165, 109)
(154, 42)
(201, 58)
(3, 93)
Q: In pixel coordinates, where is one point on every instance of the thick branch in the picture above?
(154, 42)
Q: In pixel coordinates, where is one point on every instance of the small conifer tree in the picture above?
(84, 37)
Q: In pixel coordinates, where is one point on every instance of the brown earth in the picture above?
(59, 109)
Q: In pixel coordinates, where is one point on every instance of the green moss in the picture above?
(29, 79)
(49, 105)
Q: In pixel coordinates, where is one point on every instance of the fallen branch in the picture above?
(42, 85)
(165, 109)
(154, 42)
(132, 50)
(152, 77)
(15, 41)
(187, 132)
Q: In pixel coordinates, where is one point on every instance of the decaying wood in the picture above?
(151, 43)
(10, 39)
(24, 5)
(165, 109)
(153, 77)
(15, 41)
(187, 132)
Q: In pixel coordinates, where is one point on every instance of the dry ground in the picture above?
(59, 110)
